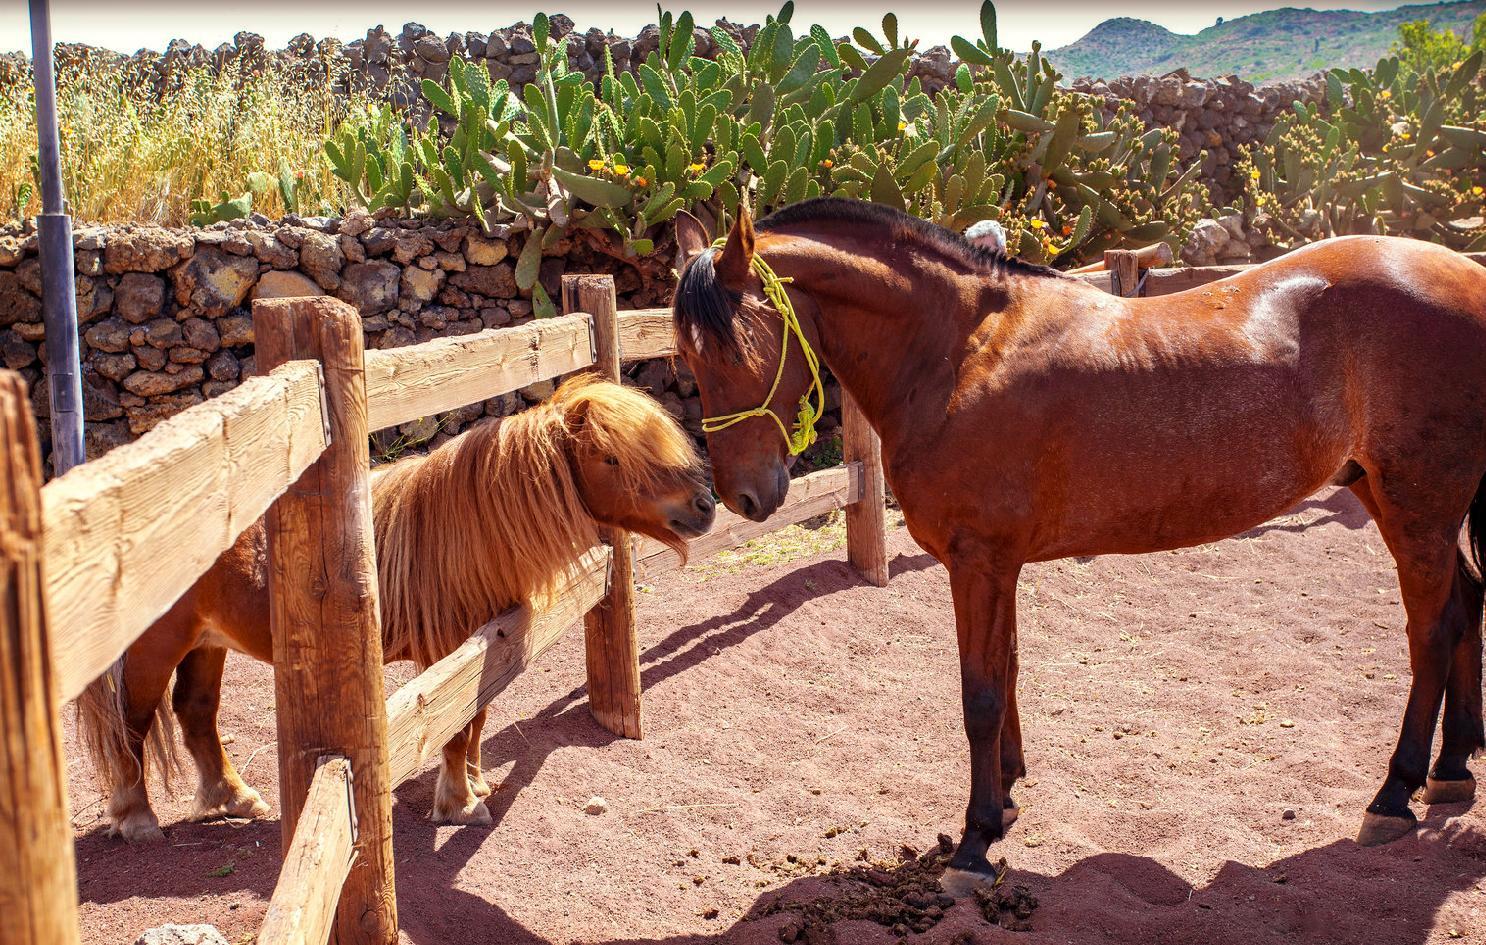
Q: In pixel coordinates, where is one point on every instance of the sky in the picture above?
(128, 25)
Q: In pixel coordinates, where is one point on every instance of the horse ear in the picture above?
(691, 238)
(737, 256)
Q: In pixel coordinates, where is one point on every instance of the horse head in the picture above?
(750, 340)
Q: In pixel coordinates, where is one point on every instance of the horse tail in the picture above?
(1475, 530)
(102, 722)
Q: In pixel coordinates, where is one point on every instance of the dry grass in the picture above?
(131, 153)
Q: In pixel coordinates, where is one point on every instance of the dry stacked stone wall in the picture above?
(165, 313)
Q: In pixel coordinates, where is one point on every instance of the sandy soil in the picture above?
(1175, 708)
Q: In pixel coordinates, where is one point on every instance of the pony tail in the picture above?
(102, 723)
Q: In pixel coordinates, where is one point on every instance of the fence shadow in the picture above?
(1335, 894)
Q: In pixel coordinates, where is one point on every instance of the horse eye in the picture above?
(611, 461)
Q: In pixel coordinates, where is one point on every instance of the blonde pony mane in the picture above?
(494, 517)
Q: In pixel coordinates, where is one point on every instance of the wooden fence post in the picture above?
(1124, 272)
(609, 628)
(866, 536)
(327, 636)
(38, 880)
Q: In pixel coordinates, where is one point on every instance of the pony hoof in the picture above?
(247, 804)
(1378, 829)
(1449, 792)
(479, 785)
(474, 814)
(1009, 816)
(961, 883)
(138, 828)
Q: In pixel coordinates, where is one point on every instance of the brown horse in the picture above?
(487, 520)
(1027, 416)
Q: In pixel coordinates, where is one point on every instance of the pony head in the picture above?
(734, 340)
(633, 465)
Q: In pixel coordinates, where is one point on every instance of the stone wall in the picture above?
(165, 313)
(1215, 115)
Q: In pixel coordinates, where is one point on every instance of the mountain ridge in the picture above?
(1284, 43)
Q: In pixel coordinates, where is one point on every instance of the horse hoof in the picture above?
(1449, 792)
(246, 803)
(1378, 829)
(479, 785)
(474, 814)
(961, 883)
(1009, 816)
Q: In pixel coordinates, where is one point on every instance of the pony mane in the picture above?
(704, 308)
(494, 517)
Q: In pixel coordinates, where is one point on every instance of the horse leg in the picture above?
(198, 694)
(1013, 764)
(985, 618)
(1426, 558)
(454, 802)
(478, 784)
(1451, 780)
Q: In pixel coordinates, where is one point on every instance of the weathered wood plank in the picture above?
(646, 333)
(302, 909)
(809, 496)
(38, 881)
(128, 533)
(403, 384)
(866, 534)
(612, 649)
(424, 714)
(327, 634)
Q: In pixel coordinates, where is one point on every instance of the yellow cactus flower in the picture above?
(621, 169)
(595, 165)
(696, 168)
(1406, 135)
(1476, 190)
(1385, 94)
(1037, 224)
(902, 125)
(1254, 174)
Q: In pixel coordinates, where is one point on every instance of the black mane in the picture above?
(704, 308)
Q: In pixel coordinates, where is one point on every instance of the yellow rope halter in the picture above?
(804, 428)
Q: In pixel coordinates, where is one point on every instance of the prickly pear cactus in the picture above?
(1394, 151)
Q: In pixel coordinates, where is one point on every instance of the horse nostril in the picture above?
(705, 505)
(747, 504)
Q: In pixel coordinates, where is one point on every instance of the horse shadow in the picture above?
(206, 858)
(1340, 506)
(1334, 894)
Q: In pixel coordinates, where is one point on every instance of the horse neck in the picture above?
(891, 325)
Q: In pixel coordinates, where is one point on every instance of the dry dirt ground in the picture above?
(1203, 730)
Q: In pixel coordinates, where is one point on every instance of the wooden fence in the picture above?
(90, 560)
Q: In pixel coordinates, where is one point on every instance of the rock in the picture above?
(146, 416)
(285, 284)
(150, 359)
(155, 383)
(596, 806)
(538, 392)
(370, 286)
(139, 297)
(99, 438)
(212, 282)
(320, 255)
(115, 367)
(16, 304)
(421, 284)
(145, 249)
(1208, 239)
(496, 282)
(1289, 814)
(15, 352)
(163, 333)
(272, 251)
(480, 251)
(200, 333)
(235, 330)
(111, 335)
(223, 366)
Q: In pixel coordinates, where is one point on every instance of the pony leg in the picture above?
(1427, 572)
(1451, 780)
(478, 784)
(454, 801)
(985, 617)
(143, 681)
(198, 693)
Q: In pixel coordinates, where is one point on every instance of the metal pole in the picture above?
(54, 229)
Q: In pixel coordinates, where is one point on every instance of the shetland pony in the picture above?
(1026, 416)
(488, 520)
